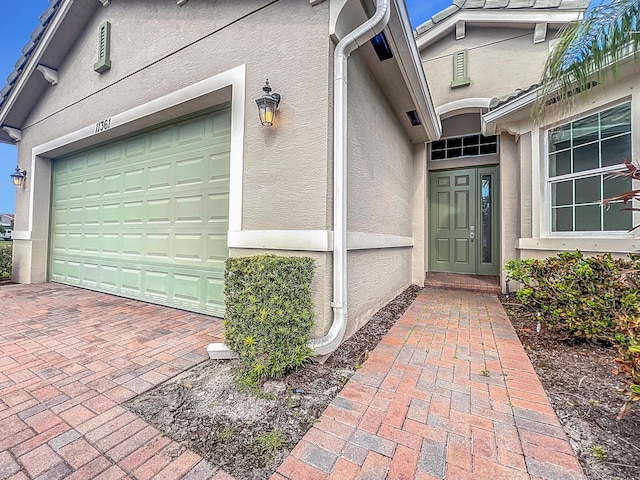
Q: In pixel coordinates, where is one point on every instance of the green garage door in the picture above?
(147, 217)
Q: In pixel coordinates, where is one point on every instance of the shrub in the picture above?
(269, 313)
(628, 334)
(5, 260)
(585, 294)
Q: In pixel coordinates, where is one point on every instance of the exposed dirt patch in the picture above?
(578, 379)
(248, 434)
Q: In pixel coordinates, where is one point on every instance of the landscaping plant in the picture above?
(584, 294)
(5, 260)
(594, 297)
(269, 313)
(628, 335)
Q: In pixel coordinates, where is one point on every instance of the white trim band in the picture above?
(312, 240)
(597, 245)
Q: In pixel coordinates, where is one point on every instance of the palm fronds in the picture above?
(588, 52)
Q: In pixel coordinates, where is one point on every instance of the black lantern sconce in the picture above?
(17, 177)
(267, 105)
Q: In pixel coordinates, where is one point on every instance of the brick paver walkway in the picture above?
(449, 393)
(68, 358)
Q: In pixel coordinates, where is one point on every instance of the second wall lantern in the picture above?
(17, 177)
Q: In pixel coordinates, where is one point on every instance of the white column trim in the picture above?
(368, 241)
(21, 235)
(303, 240)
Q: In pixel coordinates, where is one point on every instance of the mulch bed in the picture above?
(577, 377)
(249, 433)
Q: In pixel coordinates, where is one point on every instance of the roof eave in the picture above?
(415, 79)
(509, 18)
(507, 111)
(30, 67)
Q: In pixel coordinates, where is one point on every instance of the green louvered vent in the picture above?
(104, 48)
(460, 70)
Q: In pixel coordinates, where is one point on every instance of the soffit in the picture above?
(492, 13)
(61, 25)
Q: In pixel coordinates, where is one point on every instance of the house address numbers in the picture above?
(103, 125)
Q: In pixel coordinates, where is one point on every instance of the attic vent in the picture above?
(381, 46)
(104, 48)
(460, 70)
(414, 118)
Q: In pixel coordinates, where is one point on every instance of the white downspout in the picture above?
(349, 43)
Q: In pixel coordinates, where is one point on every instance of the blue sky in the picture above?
(16, 25)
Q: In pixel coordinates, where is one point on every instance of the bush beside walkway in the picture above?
(6, 250)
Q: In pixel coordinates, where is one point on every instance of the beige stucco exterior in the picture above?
(500, 60)
(209, 54)
(380, 165)
(535, 240)
(504, 60)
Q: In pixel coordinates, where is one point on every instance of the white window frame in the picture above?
(549, 181)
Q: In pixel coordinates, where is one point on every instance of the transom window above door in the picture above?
(582, 154)
(467, 146)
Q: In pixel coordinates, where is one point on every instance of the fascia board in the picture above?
(34, 59)
(509, 18)
(515, 106)
(411, 67)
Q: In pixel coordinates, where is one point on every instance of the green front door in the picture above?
(147, 217)
(463, 221)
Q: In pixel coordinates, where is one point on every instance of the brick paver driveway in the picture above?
(68, 358)
(448, 394)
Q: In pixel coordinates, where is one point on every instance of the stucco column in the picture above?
(509, 201)
(31, 233)
(419, 218)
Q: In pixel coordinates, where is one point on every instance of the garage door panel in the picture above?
(133, 148)
(161, 140)
(94, 159)
(187, 288)
(156, 284)
(111, 214)
(133, 245)
(130, 281)
(147, 217)
(191, 132)
(134, 181)
(215, 291)
(90, 274)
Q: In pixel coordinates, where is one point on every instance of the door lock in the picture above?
(472, 234)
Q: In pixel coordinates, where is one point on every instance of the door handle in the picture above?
(472, 236)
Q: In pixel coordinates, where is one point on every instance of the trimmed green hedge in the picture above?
(585, 294)
(593, 297)
(269, 313)
(6, 250)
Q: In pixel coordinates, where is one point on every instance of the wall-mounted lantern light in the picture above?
(267, 105)
(18, 177)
